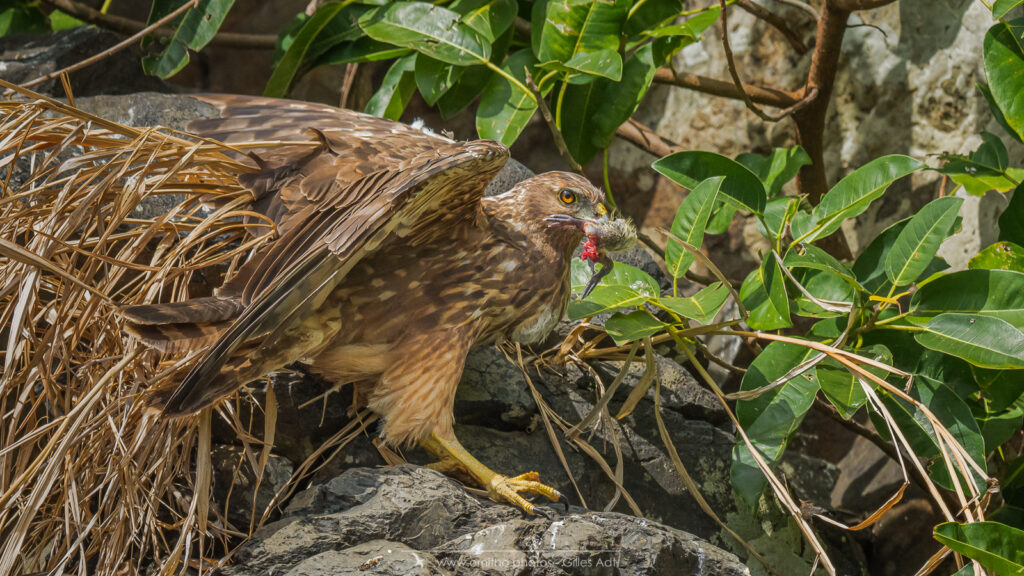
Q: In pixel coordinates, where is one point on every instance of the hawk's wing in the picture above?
(418, 197)
(360, 144)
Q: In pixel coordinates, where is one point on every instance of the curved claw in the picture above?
(505, 489)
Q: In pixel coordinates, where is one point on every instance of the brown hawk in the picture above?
(390, 265)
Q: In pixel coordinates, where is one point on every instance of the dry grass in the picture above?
(91, 482)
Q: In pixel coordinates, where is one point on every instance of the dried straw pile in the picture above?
(91, 482)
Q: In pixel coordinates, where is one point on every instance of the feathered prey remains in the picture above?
(390, 265)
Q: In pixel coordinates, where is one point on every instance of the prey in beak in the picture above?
(603, 235)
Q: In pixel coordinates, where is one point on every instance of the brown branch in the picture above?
(776, 22)
(646, 139)
(759, 94)
(124, 25)
(731, 62)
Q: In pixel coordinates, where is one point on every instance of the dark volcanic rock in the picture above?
(25, 57)
(410, 520)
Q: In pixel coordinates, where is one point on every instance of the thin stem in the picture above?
(558, 106)
(607, 181)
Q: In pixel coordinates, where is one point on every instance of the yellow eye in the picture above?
(567, 196)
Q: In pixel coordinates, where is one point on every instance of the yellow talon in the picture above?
(500, 488)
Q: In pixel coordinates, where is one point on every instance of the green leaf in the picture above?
(432, 30)
(688, 225)
(997, 547)
(763, 315)
(1011, 221)
(702, 306)
(984, 341)
(194, 31)
(996, 112)
(650, 14)
(625, 328)
(592, 112)
(852, 196)
(692, 28)
(491, 18)
(1004, 63)
(771, 418)
(624, 287)
(999, 256)
(997, 293)
(298, 49)
(842, 388)
(778, 212)
(1001, 7)
(776, 169)
(395, 91)
(870, 265)
(824, 286)
(583, 36)
(920, 240)
(690, 168)
(998, 428)
(950, 411)
(365, 49)
(21, 19)
(999, 388)
(62, 21)
(815, 258)
(775, 284)
(504, 108)
(987, 168)
(434, 78)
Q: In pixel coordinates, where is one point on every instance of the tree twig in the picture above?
(759, 94)
(115, 48)
(774, 21)
(799, 5)
(646, 139)
(556, 134)
(124, 25)
(853, 5)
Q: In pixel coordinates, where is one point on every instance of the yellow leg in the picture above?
(500, 488)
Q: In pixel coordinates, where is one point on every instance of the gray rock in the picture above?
(680, 390)
(25, 57)
(234, 484)
(493, 392)
(512, 173)
(431, 525)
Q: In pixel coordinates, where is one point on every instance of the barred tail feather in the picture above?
(207, 310)
(178, 338)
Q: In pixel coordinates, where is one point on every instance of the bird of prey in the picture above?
(389, 266)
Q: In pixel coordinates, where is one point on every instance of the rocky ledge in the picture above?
(410, 520)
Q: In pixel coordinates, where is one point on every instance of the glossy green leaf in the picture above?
(984, 341)
(193, 31)
(778, 212)
(62, 21)
(999, 256)
(21, 19)
(776, 169)
(771, 418)
(688, 225)
(474, 79)
(815, 258)
(625, 328)
(775, 284)
(329, 24)
(1001, 7)
(997, 547)
(826, 287)
(491, 18)
(505, 108)
(702, 306)
(993, 108)
(692, 28)
(763, 315)
(583, 36)
(997, 293)
(365, 49)
(951, 412)
(842, 388)
(592, 112)
(1004, 63)
(395, 91)
(870, 265)
(651, 14)
(434, 78)
(624, 287)
(852, 196)
(690, 168)
(432, 30)
(987, 168)
(920, 240)
(1011, 221)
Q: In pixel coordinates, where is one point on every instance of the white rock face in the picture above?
(906, 85)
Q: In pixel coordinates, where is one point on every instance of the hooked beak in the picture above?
(600, 214)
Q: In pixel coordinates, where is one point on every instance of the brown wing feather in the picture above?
(301, 268)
